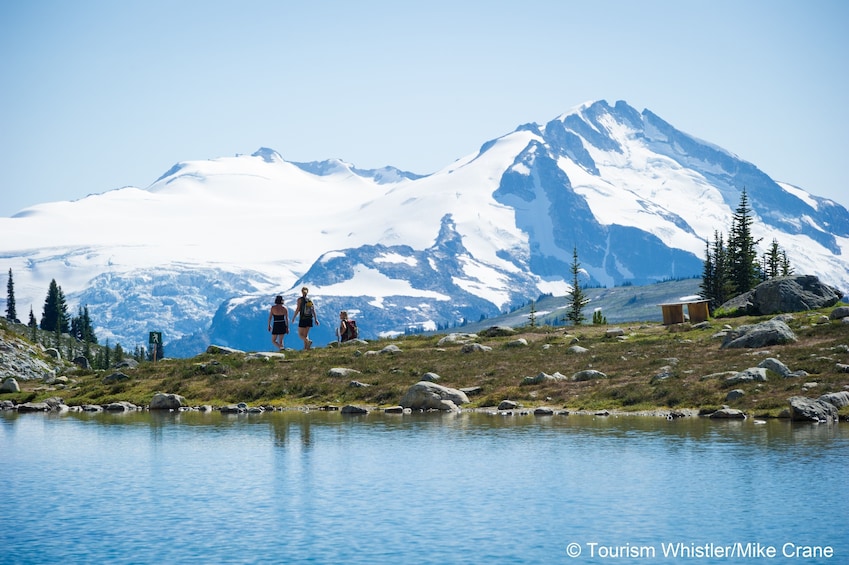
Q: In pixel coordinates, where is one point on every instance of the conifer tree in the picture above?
(33, 325)
(743, 265)
(11, 311)
(55, 314)
(577, 297)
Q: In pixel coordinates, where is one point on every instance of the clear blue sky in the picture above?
(97, 95)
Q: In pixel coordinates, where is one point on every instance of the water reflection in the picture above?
(471, 487)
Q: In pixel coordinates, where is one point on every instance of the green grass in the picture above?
(302, 378)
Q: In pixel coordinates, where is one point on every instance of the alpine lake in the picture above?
(475, 487)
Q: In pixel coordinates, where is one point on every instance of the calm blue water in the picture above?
(326, 488)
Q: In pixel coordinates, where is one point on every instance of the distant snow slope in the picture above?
(201, 252)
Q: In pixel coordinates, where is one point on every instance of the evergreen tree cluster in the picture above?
(732, 265)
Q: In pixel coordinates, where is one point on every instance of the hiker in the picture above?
(347, 329)
(278, 322)
(305, 311)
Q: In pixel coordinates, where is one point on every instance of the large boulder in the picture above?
(166, 401)
(805, 409)
(784, 294)
(426, 395)
(771, 332)
(10, 385)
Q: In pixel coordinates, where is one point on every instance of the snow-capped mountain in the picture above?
(200, 254)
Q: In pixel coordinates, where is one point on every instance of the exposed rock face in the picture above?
(785, 294)
(430, 396)
(771, 332)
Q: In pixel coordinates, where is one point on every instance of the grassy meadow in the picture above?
(690, 358)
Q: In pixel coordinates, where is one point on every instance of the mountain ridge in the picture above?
(200, 252)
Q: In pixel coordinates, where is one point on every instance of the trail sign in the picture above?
(155, 338)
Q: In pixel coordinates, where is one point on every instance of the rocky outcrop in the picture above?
(752, 374)
(771, 332)
(784, 294)
(426, 395)
(811, 410)
(498, 331)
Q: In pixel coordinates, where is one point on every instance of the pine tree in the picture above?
(744, 268)
(55, 314)
(532, 316)
(33, 325)
(11, 311)
(577, 298)
(772, 261)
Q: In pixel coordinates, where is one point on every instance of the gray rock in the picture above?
(577, 349)
(127, 363)
(837, 399)
(588, 375)
(542, 378)
(771, 332)
(614, 332)
(396, 410)
(508, 405)
(453, 338)
(391, 349)
(665, 373)
(167, 401)
(114, 378)
(10, 385)
(53, 352)
(82, 362)
(729, 414)
(351, 409)
(222, 350)
(475, 347)
(430, 396)
(33, 407)
(803, 409)
(735, 394)
(342, 372)
(521, 342)
(498, 331)
(122, 406)
(752, 374)
(543, 412)
(776, 366)
(358, 384)
(839, 313)
(785, 294)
